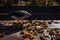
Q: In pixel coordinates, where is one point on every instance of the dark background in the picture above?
(42, 12)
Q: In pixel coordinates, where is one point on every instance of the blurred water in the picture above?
(54, 25)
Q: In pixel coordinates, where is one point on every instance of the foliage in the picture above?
(30, 3)
(40, 3)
